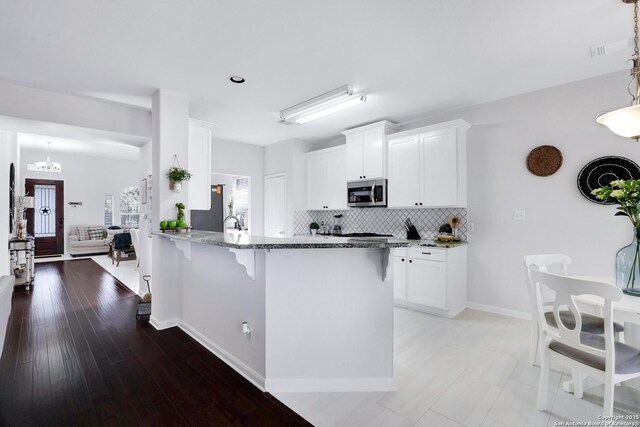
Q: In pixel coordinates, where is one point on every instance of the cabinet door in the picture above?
(439, 174)
(317, 166)
(336, 182)
(199, 161)
(427, 283)
(404, 172)
(354, 156)
(400, 278)
(373, 153)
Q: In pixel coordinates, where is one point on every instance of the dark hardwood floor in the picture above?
(74, 355)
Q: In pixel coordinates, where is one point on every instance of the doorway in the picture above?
(275, 205)
(45, 222)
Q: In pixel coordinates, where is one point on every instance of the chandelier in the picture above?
(48, 165)
(626, 121)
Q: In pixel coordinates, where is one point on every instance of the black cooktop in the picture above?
(365, 235)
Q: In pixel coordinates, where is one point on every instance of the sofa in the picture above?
(83, 245)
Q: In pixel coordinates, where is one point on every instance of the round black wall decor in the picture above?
(600, 172)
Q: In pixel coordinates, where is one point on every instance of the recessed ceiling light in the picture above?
(237, 79)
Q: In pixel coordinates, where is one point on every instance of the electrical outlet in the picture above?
(519, 215)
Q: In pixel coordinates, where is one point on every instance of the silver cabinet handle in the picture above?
(426, 253)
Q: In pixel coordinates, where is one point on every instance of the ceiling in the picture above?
(412, 57)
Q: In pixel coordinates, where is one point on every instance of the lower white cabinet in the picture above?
(432, 280)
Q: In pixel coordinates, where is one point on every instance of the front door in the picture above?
(46, 220)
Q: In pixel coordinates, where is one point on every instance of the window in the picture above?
(130, 207)
(241, 197)
(108, 210)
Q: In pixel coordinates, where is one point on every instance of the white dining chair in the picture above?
(591, 355)
(135, 241)
(590, 324)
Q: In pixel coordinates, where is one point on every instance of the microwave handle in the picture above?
(373, 194)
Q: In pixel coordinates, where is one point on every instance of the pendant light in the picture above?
(626, 121)
(48, 165)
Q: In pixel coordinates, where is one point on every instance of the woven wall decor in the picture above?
(544, 160)
(601, 171)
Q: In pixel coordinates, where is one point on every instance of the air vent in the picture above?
(608, 48)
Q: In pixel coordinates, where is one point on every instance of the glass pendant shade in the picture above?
(624, 121)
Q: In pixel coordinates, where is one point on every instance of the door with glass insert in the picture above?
(46, 220)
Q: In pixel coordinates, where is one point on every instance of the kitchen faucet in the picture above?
(237, 226)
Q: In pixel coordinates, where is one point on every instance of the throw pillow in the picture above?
(113, 232)
(96, 233)
(83, 233)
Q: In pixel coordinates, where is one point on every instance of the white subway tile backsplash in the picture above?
(382, 221)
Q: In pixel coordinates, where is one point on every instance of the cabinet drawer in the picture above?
(430, 254)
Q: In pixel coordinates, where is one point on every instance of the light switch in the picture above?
(519, 215)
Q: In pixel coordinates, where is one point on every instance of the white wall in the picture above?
(235, 158)
(558, 218)
(143, 251)
(289, 157)
(86, 179)
(8, 154)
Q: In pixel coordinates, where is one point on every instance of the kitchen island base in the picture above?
(318, 319)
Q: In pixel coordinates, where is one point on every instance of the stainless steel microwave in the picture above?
(361, 194)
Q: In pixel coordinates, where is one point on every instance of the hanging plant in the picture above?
(176, 175)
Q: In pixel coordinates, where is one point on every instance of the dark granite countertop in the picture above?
(244, 241)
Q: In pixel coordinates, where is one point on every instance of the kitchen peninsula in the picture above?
(318, 311)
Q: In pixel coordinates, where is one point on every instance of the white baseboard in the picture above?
(252, 376)
(163, 324)
(499, 310)
(285, 385)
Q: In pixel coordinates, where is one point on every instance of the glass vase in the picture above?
(628, 266)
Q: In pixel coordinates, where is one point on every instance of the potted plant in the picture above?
(445, 228)
(314, 226)
(181, 218)
(626, 194)
(176, 175)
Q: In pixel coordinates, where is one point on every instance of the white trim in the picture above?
(499, 310)
(163, 324)
(252, 376)
(284, 385)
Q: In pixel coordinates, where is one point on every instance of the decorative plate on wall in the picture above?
(600, 172)
(544, 160)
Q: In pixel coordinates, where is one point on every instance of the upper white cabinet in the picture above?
(326, 179)
(428, 166)
(199, 164)
(366, 151)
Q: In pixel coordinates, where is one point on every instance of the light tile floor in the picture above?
(469, 371)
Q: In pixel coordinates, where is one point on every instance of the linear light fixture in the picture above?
(322, 105)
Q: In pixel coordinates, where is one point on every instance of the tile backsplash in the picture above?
(382, 221)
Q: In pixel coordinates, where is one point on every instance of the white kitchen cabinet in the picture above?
(366, 151)
(326, 179)
(199, 165)
(428, 166)
(404, 167)
(432, 280)
(400, 277)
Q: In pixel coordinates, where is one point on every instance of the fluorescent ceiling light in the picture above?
(322, 105)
